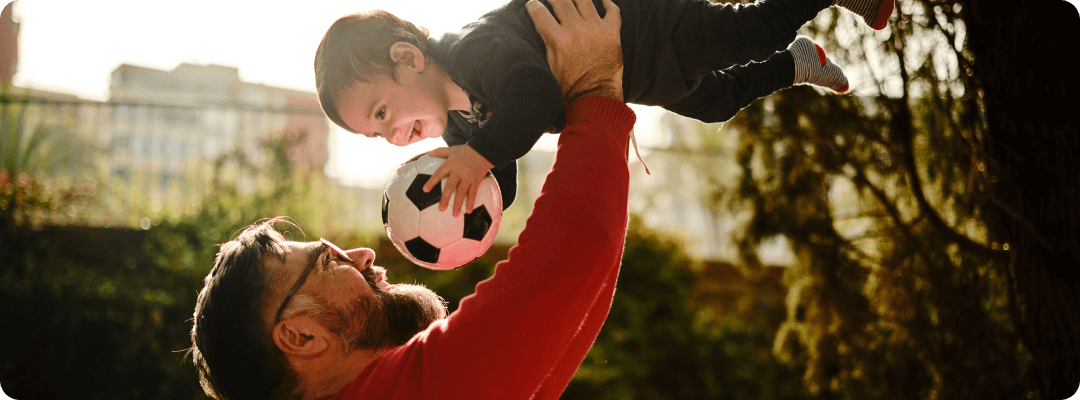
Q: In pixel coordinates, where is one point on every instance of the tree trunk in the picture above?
(1024, 62)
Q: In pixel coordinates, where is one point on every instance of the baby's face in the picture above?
(403, 112)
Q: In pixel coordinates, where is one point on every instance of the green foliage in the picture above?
(658, 343)
(41, 148)
(31, 156)
(87, 315)
(96, 313)
(24, 200)
(898, 290)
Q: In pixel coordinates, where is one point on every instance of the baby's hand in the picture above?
(465, 169)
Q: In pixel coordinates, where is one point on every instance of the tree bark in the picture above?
(1025, 65)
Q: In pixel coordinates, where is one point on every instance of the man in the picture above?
(281, 319)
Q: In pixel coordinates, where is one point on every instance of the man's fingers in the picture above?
(612, 13)
(546, 26)
(564, 10)
(542, 18)
(587, 10)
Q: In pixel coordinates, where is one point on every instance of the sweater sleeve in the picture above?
(527, 328)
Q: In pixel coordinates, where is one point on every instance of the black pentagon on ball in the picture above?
(477, 223)
(385, 206)
(415, 193)
(422, 250)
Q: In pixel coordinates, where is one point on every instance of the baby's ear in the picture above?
(404, 53)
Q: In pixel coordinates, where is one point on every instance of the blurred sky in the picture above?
(72, 46)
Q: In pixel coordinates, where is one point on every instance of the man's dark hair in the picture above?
(357, 48)
(231, 343)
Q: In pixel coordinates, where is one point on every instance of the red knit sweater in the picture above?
(526, 330)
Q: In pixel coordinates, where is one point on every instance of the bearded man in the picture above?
(279, 319)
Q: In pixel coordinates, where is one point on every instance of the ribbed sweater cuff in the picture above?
(601, 110)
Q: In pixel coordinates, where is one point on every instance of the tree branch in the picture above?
(1022, 221)
(925, 206)
(861, 180)
(904, 131)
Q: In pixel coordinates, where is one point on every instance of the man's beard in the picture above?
(390, 317)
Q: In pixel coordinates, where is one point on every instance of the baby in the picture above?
(489, 93)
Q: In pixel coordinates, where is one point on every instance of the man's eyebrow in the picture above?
(336, 250)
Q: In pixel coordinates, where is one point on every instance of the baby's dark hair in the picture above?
(357, 48)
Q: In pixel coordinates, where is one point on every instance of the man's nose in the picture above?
(362, 257)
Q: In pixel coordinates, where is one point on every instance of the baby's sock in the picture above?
(811, 66)
(875, 13)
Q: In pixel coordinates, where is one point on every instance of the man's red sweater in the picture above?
(526, 330)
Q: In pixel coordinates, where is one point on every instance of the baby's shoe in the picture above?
(875, 13)
(811, 66)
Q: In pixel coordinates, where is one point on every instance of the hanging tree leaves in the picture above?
(931, 249)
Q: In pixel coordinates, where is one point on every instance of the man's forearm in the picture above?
(603, 89)
(603, 79)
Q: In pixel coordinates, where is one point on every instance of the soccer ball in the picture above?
(431, 238)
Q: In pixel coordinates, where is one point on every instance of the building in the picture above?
(9, 44)
(218, 111)
(172, 133)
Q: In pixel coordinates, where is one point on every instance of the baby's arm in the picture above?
(528, 102)
(464, 169)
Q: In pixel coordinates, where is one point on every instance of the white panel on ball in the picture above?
(440, 228)
(460, 252)
(400, 208)
(406, 216)
(427, 164)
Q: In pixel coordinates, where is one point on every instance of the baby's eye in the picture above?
(381, 113)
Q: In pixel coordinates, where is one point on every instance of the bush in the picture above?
(658, 343)
(88, 315)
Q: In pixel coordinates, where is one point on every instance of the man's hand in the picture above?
(583, 49)
(464, 168)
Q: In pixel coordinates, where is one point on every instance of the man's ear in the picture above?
(301, 336)
(406, 54)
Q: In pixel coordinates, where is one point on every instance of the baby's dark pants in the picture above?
(708, 60)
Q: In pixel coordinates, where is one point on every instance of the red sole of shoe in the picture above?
(883, 13)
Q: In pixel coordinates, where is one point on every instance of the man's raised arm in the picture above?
(525, 330)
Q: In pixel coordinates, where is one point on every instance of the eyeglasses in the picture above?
(325, 246)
